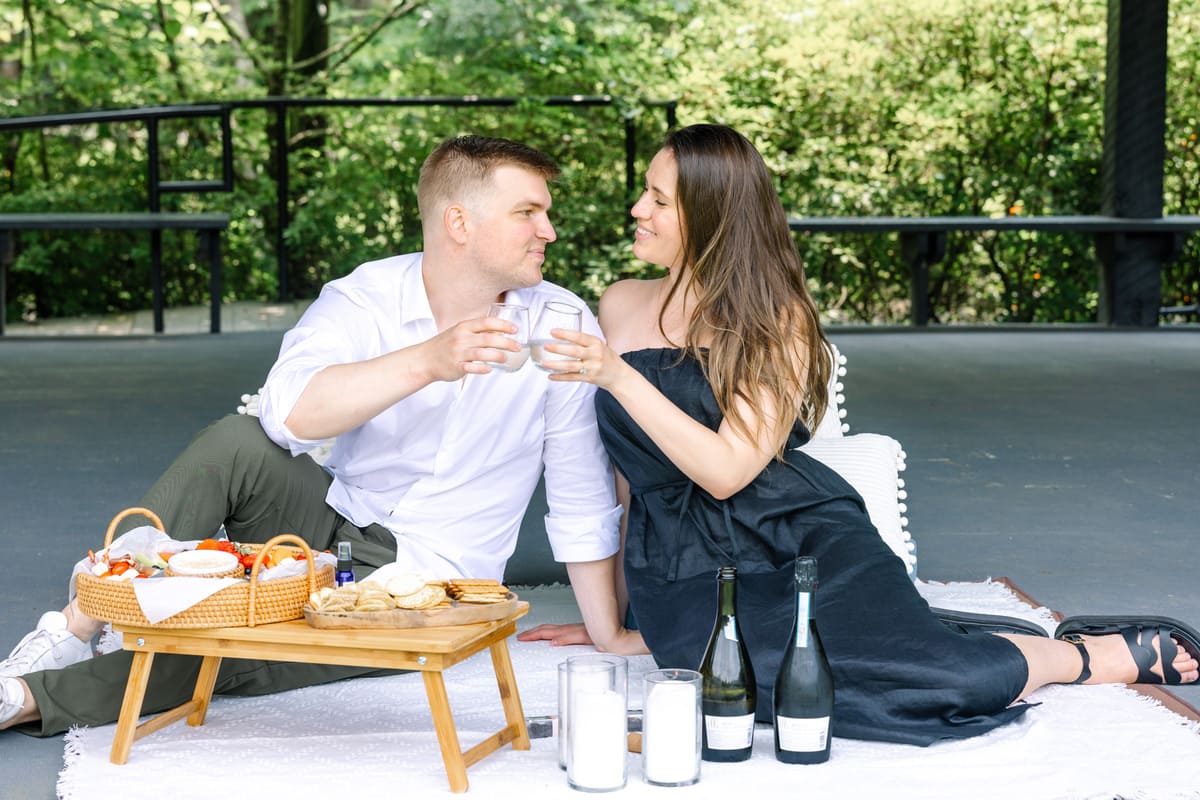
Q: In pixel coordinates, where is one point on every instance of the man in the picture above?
(436, 454)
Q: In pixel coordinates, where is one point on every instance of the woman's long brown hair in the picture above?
(753, 305)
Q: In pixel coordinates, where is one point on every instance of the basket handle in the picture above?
(145, 512)
(262, 553)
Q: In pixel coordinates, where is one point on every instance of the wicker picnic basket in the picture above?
(247, 603)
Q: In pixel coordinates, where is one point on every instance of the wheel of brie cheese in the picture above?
(204, 564)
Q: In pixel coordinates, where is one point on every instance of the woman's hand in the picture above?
(597, 363)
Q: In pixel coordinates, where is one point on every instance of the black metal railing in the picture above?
(923, 239)
(223, 111)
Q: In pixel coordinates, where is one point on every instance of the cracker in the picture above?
(427, 597)
(482, 599)
(405, 583)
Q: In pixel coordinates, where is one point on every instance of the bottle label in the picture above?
(802, 604)
(802, 735)
(729, 733)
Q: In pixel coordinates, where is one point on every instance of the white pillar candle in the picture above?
(588, 674)
(671, 728)
(598, 747)
(595, 722)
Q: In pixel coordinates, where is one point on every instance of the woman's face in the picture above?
(659, 235)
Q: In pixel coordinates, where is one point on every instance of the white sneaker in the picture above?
(49, 646)
(12, 697)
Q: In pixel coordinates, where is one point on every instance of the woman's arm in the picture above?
(721, 462)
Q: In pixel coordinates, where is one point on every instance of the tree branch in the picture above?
(240, 39)
(351, 46)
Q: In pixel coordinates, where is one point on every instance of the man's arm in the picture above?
(326, 383)
(593, 584)
(343, 396)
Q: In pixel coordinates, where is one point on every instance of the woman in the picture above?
(712, 376)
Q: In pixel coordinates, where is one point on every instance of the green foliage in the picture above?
(861, 108)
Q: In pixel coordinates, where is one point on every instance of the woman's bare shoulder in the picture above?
(631, 289)
(625, 309)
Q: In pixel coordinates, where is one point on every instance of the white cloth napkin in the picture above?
(161, 598)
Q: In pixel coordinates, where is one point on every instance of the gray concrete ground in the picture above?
(1064, 459)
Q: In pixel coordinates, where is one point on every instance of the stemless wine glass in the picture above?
(519, 316)
(553, 315)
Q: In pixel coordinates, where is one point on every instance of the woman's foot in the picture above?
(1110, 659)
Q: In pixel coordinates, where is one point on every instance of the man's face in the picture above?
(510, 228)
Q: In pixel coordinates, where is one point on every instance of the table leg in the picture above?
(443, 723)
(510, 697)
(205, 681)
(131, 706)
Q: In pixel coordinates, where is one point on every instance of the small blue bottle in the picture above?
(345, 565)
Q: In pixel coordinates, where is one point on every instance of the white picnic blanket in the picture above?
(374, 738)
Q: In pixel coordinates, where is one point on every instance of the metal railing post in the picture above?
(153, 178)
(281, 199)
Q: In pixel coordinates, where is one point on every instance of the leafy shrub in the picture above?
(861, 108)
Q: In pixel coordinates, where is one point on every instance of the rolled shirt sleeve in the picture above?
(583, 523)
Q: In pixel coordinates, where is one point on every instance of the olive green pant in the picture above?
(232, 475)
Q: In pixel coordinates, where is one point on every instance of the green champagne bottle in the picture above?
(804, 686)
(727, 682)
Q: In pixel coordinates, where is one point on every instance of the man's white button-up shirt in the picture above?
(451, 468)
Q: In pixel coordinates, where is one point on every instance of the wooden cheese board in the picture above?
(454, 614)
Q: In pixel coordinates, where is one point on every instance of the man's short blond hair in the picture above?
(461, 167)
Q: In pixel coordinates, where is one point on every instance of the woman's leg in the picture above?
(1056, 661)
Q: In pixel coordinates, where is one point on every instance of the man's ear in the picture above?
(454, 218)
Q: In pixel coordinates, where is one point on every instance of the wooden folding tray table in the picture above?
(429, 650)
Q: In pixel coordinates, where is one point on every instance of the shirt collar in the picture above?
(414, 301)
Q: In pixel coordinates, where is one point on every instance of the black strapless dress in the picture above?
(900, 674)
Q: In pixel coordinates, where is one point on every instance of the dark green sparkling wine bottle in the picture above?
(728, 689)
(804, 685)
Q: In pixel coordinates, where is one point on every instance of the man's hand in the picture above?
(625, 642)
(342, 397)
(466, 348)
(557, 635)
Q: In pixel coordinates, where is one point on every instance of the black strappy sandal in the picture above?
(1138, 633)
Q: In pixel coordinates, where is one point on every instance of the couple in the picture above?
(711, 377)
